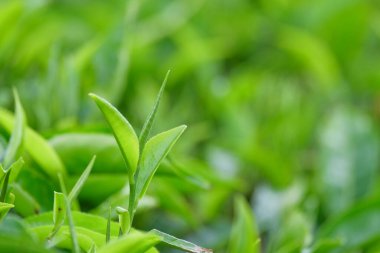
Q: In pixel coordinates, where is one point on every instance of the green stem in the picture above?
(74, 240)
(132, 197)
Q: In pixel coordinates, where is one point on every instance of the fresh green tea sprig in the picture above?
(142, 155)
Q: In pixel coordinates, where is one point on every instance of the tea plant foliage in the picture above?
(76, 231)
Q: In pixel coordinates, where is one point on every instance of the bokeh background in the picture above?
(282, 100)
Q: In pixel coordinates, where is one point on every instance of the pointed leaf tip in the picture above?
(123, 131)
(155, 151)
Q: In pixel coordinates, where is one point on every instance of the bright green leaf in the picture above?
(179, 243)
(108, 231)
(123, 131)
(45, 156)
(15, 168)
(88, 221)
(154, 152)
(78, 186)
(4, 208)
(16, 142)
(131, 243)
(59, 212)
(144, 135)
(4, 187)
(124, 220)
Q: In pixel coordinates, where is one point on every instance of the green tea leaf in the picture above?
(16, 142)
(4, 209)
(4, 187)
(124, 220)
(45, 156)
(154, 152)
(78, 186)
(8, 176)
(244, 234)
(123, 132)
(144, 135)
(179, 243)
(99, 186)
(88, 221)
(131, 243)
(108, 231)
(59, 212)
(2, 173)
(15, 168)
(10, 198)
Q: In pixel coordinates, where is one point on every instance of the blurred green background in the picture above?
(282, 100)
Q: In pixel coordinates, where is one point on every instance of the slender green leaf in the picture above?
(131, 243)
(144, 135)
(78, 186)
(244, 234)
(108, 231)
(123, 131)
(179, 243)
(4, 187)
(73, 235)
(10, 198)
(16, 142)
(154, 152)
(59, 212)
(2, 173)
(15, 168)
(124, 220)
(4, 208)
(45, 156)
(88, 221)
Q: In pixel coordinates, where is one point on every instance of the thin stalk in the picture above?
(108, 233)
(132, 197)
(70, 219)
